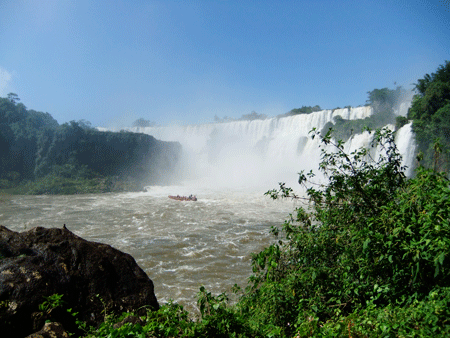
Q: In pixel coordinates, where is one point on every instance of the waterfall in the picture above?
(261, 152)
(404, 139)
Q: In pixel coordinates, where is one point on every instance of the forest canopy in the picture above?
(40, 156)
(430, 112)
(384, 103)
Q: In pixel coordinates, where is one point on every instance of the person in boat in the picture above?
(184, 198)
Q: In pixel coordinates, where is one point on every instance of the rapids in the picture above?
(180, 245)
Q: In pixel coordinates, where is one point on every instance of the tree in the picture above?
(84, 124)
(253, 116)
(385, 99)
(217, 119)
(13, 97)
(430, 112)
(302, 110)
(143, 123)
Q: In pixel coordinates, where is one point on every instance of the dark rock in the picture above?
(50, 330)
(92, 277)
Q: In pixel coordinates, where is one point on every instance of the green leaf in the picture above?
(366, 243)
(441, 258)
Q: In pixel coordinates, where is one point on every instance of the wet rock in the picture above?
(50, 330)
(92, 277)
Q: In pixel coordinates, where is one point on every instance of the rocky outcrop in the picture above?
(93, 278)
(50, 330)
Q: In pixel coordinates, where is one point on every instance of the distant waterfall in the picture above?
(261, 152)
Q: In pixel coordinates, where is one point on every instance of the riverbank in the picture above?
(55, 185)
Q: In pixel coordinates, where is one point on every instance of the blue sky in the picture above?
(111, 62)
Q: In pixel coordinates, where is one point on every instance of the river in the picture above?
(180, 245)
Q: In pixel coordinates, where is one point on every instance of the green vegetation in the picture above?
(430, 112)
(51, 302)
(385, 98)
(372, 240)
(400, 121)
(367, 257)
(39, 156)
(19, 132)
(255, 116)
(302, 110)
(383, 102)
(143, 123)
(245, 117)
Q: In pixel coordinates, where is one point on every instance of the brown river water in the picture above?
(181, 245)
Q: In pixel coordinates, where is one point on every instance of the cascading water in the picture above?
(404, 139)
(260, 153)
(407, 146)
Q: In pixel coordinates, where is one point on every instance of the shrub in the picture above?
(368, 237)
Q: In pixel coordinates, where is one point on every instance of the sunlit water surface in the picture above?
(180, 245)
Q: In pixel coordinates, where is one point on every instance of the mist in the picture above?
(257, 154)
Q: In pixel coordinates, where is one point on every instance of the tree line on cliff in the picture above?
(37, 155)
